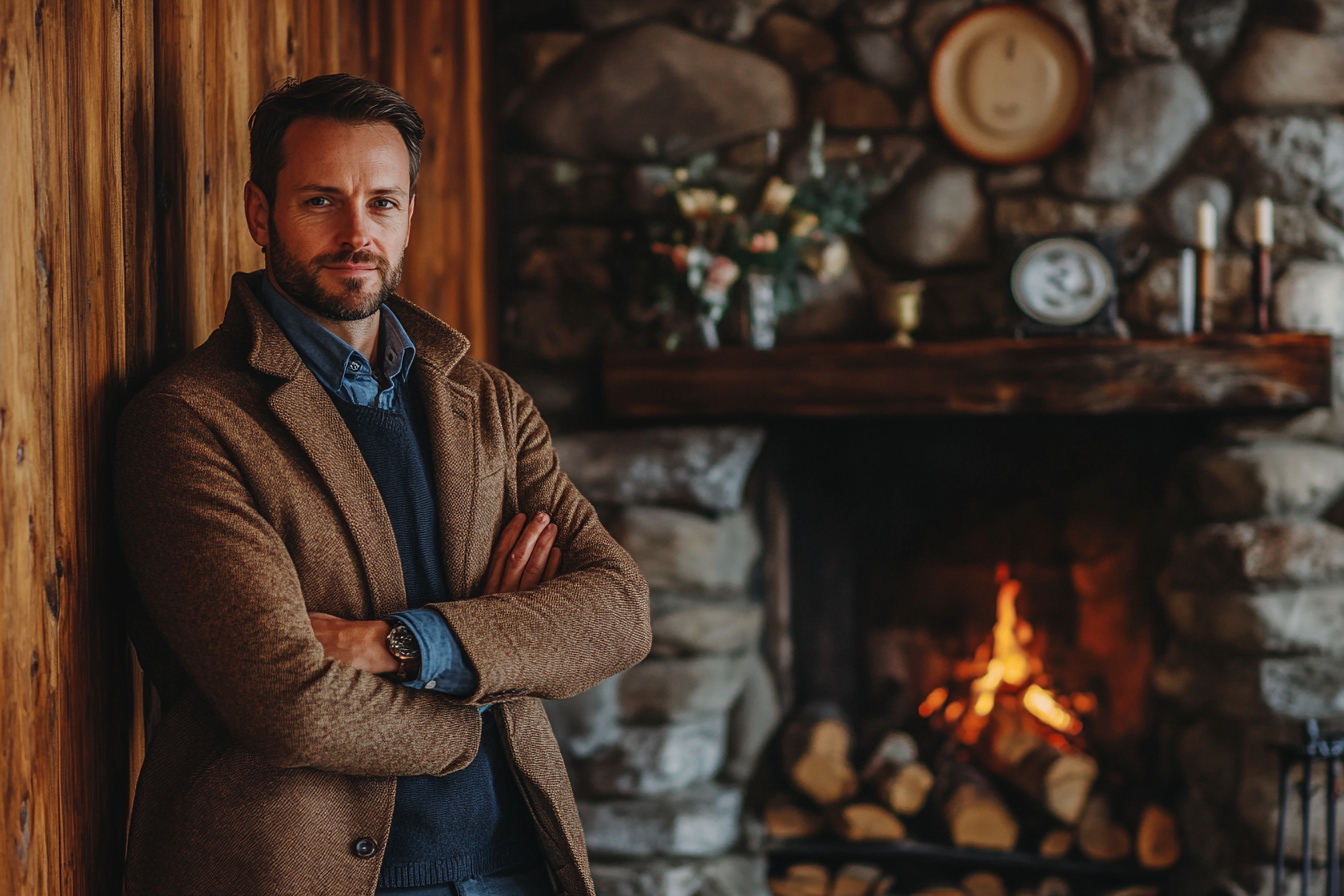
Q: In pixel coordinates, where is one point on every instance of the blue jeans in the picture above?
(533, 880)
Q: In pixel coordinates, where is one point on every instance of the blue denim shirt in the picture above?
(345, 372)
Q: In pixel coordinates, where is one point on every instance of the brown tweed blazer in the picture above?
(243, 502)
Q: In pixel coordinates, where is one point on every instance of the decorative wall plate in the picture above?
(1009, 84)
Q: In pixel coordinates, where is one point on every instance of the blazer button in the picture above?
(365, 847)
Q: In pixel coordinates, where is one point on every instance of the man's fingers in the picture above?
(536, 563)
(507, 539)
(522, 552)
(552, 565)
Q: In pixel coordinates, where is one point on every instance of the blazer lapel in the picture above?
(305, 409)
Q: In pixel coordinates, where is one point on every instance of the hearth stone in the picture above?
(752, 722)
(1297, 621)
(1252, 689)
(1138, 28)
(587, 722)
(1300, 232)
(683, 625)
(1264, 555)
(1207, 29)
(1141, 123)
(1011, 180)
(1036, 216)
(848, 104)
(1273, 477)
(730, 20)
(680, 551)
(697, 467)
(730, 875)
(1288, 158)
(681, 690)
(699, 821)
(653, 91)
(932, 219)
(647, 760)
(797, 44)
(883, 58)
(1309, 297)
(1285, 67)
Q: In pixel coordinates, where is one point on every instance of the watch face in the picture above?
(1062, 281)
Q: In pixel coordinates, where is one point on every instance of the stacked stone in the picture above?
(1255, 595)
(659, 753)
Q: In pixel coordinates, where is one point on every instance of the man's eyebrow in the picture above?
(337, 191)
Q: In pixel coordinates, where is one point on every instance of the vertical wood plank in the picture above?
(29, 779)
(434, 55)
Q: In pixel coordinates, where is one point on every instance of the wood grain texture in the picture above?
(997, 376)
(123, 131)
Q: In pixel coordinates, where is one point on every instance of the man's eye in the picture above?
(384, 203)
(319, 200)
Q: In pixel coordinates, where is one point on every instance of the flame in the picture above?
(1006, 664)
(1040, 703)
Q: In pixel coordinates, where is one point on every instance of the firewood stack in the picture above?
(980, 796)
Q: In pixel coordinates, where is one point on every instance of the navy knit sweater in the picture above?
(473, 822)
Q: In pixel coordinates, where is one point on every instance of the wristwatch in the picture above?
(402, 644)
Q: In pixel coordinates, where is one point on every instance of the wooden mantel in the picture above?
(1232, 371)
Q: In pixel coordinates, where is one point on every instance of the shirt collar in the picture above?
(327, 355)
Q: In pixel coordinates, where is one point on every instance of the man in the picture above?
(351, 658)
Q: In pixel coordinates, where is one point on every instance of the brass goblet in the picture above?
(901, 306)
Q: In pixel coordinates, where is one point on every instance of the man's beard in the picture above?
(355, 302)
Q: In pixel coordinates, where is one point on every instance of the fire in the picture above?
(1007, 676)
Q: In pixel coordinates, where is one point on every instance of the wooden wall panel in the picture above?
(123, 131)
(435, 55)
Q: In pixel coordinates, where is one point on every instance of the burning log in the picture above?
(786, 820)
(983, 883)
(1158, 844)
(1056, 844)
(901, 780)
(856, 880)
(802, 880)
(816, 755)
(1058, 780)
(976, 816)
(1099, 837)
(867, 821)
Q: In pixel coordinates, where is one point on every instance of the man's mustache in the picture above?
(353, 258)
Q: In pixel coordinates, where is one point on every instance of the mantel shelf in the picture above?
(1222, 371)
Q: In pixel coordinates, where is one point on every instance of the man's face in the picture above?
(336, 233)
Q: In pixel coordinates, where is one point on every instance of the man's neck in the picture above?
(361, 335)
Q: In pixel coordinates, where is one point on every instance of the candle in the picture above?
(1264, 222)
(1207, 232)
(1187, 292)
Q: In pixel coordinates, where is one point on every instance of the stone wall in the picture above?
(600, 100)
(1255, 596)
(659, 754)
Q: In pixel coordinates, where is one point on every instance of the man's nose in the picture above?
(355, 231)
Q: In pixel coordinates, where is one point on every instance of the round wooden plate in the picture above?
(1009, 84)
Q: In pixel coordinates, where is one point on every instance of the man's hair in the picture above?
(343, 98)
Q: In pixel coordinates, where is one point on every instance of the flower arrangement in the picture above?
(717, 238)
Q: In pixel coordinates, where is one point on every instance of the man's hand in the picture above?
(524, 558)
(359, 644)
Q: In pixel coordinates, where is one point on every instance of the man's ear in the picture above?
(258, 212)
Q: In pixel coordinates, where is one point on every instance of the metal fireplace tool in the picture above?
(1315, 745)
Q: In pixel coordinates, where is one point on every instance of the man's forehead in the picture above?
(319, 149)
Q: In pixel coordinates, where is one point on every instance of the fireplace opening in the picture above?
(975, 620)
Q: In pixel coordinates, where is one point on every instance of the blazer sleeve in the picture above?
(586, 624)
(218, 583)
